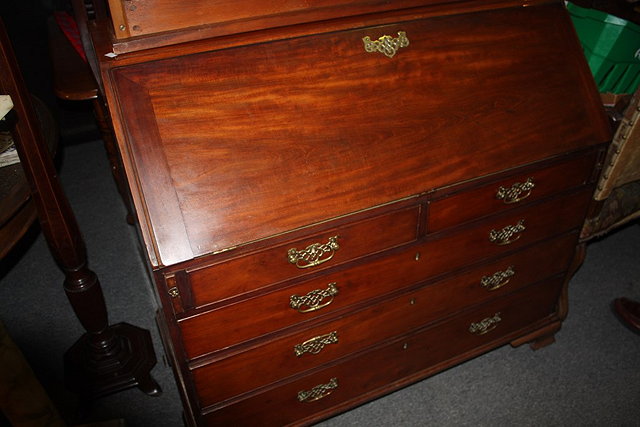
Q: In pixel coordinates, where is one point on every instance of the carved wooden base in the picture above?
(543, 341)
(539, 338)
(546, 335)
(96, 372)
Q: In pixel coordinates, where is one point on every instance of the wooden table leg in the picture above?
(106, 359)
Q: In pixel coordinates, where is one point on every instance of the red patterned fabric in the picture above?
(70, 29)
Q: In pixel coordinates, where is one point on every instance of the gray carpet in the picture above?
(589, 377)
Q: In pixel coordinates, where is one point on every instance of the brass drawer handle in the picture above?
(508, 234)
(314, 300)
(517, 192)
(485, 325)
(314, 254)
(315, 344)
(386, 45)
(318, 392)
(497, 279)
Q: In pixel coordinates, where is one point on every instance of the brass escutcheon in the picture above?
(485, 325)
(314, 300)
(508, 234)
(314, 254)
(386, 45)
(517, 192)
(318, 392)
(497, 279)
(315, 344)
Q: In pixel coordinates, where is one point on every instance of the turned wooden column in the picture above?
(106, 358)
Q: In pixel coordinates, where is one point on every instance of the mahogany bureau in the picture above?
(339, 198)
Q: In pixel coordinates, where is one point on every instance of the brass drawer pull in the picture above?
(508, 234)
(314, 254)
(497, 279)
(386, 45)
(314, 300)
(485, 325)
(517, 192)
(315, 344)
(318, 392)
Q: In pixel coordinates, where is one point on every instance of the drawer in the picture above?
(395, 316)
(498, 196)
(236, 323)
(254, 271)
(415, 356)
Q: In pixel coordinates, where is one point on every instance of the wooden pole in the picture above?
(106, 359)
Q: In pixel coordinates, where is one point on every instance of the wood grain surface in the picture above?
(242, 144)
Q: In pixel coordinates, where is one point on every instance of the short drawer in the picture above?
(518, 189)
(399, 315)
(254, 271)
(402, 361)
(229, 325)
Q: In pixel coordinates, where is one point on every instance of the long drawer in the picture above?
(369, 374)
(220, 328)
(394, 316)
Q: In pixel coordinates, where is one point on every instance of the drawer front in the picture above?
(294, 259)
(315, 346)
(510, 231)
(205, 332)
(243, 321)
(508, 193)
(415, 356)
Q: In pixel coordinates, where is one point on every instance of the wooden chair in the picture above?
(618, 191)
(74, 80)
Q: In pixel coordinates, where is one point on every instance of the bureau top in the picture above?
(229, 146)
(144, 24)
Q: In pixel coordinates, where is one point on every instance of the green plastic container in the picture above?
(611, 46)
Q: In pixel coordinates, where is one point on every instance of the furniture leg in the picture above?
(542, 342)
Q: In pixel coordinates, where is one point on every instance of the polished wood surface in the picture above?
(258, 316)
(138, 18)
(481, 201)
(361, 326)
(351, 109)
(242, 146)
(254, 271)
(396, 362)
(441, 255)
(142, 25)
